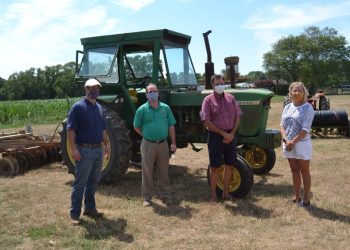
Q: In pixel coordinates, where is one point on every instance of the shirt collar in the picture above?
(216, 95)
(149, 106)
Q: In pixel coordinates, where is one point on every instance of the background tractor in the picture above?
(126, 63)
(326, 121)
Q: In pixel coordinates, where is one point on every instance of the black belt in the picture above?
(90, 145)
(159, 141)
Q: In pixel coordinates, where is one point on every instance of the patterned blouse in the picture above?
(297, 118)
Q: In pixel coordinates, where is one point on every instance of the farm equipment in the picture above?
(326, 121)
(126, 63)
(21, 152)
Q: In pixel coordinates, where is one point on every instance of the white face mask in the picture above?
(219, 89)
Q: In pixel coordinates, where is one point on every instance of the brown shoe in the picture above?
(93, 213)
(74, 221)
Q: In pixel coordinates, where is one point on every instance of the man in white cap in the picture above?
(86, 131)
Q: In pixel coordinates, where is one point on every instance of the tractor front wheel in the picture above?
(241, 182)
(261, 160)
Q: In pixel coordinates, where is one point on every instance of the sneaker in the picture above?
(74, 221)
(147, 203)
(304, 204)
(93, 213)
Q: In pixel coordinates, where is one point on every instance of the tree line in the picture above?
(48, 83)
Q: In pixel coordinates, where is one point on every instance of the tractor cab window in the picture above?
(180, 66)
(100, 63)
(138, 66)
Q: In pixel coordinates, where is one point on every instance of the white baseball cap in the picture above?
(92, 82)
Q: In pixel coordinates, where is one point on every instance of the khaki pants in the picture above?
(154, 154)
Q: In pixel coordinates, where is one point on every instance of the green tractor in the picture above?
(126, 63)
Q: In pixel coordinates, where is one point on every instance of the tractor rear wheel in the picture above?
(242, 179)
(324, 103)
(119, 143)
(261, 160)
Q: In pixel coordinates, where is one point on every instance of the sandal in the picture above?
(227, 198)
(295, 200)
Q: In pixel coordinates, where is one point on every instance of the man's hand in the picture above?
(75, 153)
(173, 148)
(227, 138)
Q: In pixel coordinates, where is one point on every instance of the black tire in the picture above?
(242, 180)
(120, 145)
(261, 160)
(324, 103)
(286, 101)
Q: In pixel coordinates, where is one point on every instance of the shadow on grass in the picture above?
(173, 210)
(103, 228)
(261, 189)
(247, 208)
(185, 185)
(328, 215)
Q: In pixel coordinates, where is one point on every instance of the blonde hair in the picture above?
(298, 84)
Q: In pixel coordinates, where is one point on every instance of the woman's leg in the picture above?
(304, 166)
(296, 177)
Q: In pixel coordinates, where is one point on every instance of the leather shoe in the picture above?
(93, 213)
(147, 203)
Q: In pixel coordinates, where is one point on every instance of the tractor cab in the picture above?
(126, 63)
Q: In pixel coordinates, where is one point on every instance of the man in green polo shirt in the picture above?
(154, 121)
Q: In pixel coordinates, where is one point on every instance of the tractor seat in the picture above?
(133, 95)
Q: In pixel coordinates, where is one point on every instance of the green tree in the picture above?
(253, 76)
(319, 58)
(51, 82)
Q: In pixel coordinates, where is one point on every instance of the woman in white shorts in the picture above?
(296, 123)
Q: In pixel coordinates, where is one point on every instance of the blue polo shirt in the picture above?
(154, 123)
(87, 121)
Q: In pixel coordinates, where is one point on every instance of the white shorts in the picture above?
(301, 150)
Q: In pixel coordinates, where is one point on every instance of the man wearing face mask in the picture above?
(221, 115)
(86, 131)
(154, 121)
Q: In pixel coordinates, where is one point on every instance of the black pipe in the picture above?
(209, 66)
(330, 118)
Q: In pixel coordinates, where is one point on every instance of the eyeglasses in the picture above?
(220, 83)
(152, 91)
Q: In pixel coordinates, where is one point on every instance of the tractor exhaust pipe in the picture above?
(209, 66)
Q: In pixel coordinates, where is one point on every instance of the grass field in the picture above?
(34, 207)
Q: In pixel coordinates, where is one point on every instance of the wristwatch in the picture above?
(284, 140)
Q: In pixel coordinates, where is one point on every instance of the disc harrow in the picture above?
(21, 152)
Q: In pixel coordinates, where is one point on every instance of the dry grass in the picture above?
(34, 207)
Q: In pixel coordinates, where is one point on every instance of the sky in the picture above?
(39, 33)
